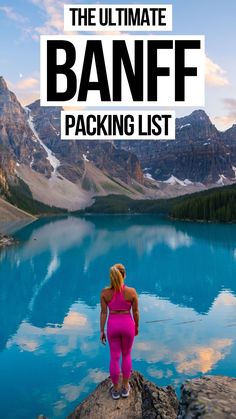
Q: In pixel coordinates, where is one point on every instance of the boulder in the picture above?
(208, 397)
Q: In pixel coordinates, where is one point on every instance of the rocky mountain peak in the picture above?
(198, 117)
(16, 135)
(117, 163)
(8, 101)
(196, 126)
(200, 114)
(3, 85)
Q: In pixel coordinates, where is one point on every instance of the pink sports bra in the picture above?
(118, 301)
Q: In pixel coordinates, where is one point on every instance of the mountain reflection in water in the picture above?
(50, 287)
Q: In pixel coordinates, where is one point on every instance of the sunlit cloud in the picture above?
(227, 120)
(27, 338)
(225, 299)
(179, 343)
(215, 75)
(188, 360)
(72, 334)
(26, 89)
(26, 83)
(27, 344)
(202, 358)
(75, 319)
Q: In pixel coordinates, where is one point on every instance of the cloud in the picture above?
(26, 89)
(75, 319)
(230, 117)
(54, 18)
(53, 266)
(202, 358)
(226, 299)
(27, 83)
(12, 14)
(189, 360)
(72, 392)
(27, 344)
(96, 375)
(157, 373)
(215, 75)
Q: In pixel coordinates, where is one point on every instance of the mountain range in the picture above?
(68, 174)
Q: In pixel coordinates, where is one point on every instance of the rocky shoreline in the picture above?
(208, 397)
(6, 240)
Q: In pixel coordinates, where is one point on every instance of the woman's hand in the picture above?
(103, 338)
(136, 330)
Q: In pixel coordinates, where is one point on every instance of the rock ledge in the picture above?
(146, 400)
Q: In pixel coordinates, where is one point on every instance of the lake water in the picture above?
(50, 353)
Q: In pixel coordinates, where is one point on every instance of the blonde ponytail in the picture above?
(116, 278)
(121, 269)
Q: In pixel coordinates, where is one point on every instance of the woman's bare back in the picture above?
(128, 292)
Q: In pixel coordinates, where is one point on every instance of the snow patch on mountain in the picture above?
(188, 182)
(57, 133)
(234, 169)
(148, 176)
(174, 181)
(185, 125)
(222, 180)
(85, 157)
(55, 163)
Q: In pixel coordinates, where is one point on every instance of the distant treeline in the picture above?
(218, 204)
(121, 204)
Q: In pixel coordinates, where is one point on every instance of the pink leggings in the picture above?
(120, 335)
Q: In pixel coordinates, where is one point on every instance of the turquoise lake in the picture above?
(50, 284)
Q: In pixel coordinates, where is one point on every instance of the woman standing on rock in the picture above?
(121, 327)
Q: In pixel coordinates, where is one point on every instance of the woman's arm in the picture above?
(103, 315)
(135, 311)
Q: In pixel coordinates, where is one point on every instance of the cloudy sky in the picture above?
(23, 21)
